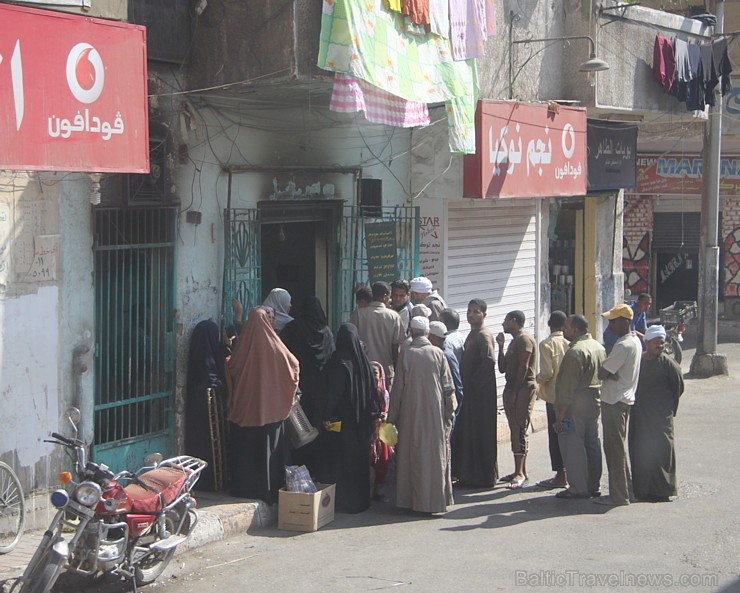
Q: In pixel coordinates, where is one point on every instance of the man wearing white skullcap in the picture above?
(421, 292)
(422, 406)
(652, 448)
(420, 324)
(438, 337)
(655, 331)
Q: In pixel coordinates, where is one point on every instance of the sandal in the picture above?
(550, 484)
(570, 494)
(507, 478)
(517, 484)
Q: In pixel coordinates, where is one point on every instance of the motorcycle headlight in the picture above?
(59, 498)
(88, 494)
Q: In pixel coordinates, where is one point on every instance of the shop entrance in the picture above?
(566, 269)
(677, 277)
(294, 257)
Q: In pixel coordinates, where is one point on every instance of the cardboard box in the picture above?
(298, 511)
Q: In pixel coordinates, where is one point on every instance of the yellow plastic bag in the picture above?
(334, 426)
(388, 434)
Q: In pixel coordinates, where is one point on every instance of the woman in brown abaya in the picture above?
(262, 376)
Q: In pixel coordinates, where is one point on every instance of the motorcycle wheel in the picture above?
(152, 567)
(44, 576)
(673, 348)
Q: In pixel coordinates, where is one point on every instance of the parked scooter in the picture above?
(124, 525)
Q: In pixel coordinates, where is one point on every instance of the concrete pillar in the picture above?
(707, 362)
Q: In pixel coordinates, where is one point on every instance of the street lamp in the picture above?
(593, 64)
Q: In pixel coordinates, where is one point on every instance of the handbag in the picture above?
(301, 431)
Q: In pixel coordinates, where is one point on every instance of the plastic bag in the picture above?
(297, 479)
(388, 434)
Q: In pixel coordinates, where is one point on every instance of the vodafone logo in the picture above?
(85, 73)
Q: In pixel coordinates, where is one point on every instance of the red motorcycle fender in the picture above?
(138, 525)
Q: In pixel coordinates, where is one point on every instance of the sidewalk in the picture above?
(222, 516)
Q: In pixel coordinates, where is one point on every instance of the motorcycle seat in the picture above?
(167, 481)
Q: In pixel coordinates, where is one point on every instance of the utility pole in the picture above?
(707, 362)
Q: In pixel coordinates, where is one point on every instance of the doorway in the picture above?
(294, 257)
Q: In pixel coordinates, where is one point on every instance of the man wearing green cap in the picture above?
(619, 374)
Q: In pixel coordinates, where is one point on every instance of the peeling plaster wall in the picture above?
(46, 310)
(29, 317)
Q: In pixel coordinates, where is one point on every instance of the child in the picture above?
(380, 453)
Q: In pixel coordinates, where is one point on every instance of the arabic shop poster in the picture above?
(612, 155)
(73, 93)
(527, 150)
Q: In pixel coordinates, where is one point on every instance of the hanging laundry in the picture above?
(683, 70)
(490, 18)
(716, 68)
(664, 63)
(439, 18)
(417, 11)
(394, 5)
(361, 39)
(468, 28)
(695, 86)
(350, 95)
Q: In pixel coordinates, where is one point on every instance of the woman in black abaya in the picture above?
(205, 371)
(350, 397)
(310, 340)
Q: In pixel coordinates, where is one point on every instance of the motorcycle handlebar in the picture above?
(63, 439)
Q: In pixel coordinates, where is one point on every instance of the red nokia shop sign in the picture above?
(525, 151)
(73, 93)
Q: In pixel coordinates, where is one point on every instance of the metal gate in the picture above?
(134, 334)
(242, 260)
(354, 268)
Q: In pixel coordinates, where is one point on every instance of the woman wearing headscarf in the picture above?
(652, 451)
(205, 372)
(350, 398)
(262, 376)
(279, 300)
(310, 340)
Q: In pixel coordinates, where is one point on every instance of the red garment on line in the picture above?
(664, 62)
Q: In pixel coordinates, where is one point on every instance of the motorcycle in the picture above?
(124, 525)
(674, 319)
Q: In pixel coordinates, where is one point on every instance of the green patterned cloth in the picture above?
(361, 38)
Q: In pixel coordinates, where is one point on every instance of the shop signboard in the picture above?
(612, 155)
(673, 174)
(382, 249)
(73, 93)
(527, 150)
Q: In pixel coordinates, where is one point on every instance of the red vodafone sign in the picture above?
(73, 93)
(526, 150)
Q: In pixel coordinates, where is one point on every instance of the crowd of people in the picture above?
(403, 360)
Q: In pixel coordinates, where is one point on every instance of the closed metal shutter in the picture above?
(676, 231)
(492, 255)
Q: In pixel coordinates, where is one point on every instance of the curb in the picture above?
(221, 518)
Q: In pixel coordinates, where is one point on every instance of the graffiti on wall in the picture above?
(732, 263)
(636, 265)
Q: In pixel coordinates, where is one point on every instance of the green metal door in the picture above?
(242, 260)
(354, 269)
(134, 343)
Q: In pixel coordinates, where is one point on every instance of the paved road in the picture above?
(508, 541)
